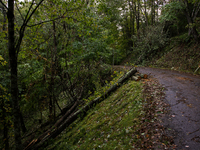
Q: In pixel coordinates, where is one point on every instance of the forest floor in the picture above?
(182, 94)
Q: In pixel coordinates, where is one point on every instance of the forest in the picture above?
(56, 54)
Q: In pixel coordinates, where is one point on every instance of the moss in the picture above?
(112, 124)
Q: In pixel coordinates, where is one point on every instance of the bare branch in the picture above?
(3, 4)
(27, 19)
(29, 10)
(43, 22)
(50, 21)
(19, 12)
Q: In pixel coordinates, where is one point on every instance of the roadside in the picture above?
(165, 116)
(127, 119)
(183, 97)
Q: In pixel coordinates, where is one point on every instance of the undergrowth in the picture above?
(181, 57)
(128, 119)
(112, 124)
(180, 53)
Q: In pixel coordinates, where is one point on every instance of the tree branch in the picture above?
(62, 16)
(19, 12)
(44, 22)
(29, 10)
(3, 4)
(196, 12)
(27, 19)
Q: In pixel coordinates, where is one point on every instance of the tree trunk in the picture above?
(23, 127)
(192, 27)
(132, 19)
(5, 123)
(54, 66)
(138, 16)
(41, 142)
(4, 21)
(13, 73)
(145, 12)
(152, 12)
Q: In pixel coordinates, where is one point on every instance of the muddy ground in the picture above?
(183, 96)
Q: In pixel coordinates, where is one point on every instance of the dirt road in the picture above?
(183, 96)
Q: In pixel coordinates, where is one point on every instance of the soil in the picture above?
(182, 94)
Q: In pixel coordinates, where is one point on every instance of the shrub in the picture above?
(149, 43)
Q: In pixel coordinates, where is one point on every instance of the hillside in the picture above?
(178, 54)
(128, 119)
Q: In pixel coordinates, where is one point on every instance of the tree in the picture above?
(13, 54)
(177, 12)
(191, 11)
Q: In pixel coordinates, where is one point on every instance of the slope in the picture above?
(128, 119)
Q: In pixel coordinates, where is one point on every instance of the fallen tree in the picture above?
(71, 115)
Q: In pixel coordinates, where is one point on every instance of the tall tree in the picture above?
(13, 56)
(13, 74)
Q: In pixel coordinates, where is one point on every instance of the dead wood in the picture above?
(66, 120)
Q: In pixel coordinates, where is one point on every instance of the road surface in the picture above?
(183, 96)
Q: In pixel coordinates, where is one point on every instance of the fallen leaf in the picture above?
(186, 146)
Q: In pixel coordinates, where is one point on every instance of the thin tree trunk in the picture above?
(157, 9)
(152, 12)
(54, 66)
(132, 19)
(23, 127)
(192, 28)
(5, 134)
(13, 72)
(145, 12)
(138, 16)
(5, 124)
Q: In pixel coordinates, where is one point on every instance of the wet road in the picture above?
(183, 96)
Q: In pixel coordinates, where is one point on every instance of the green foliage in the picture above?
(111, 124)
(171, 10)
(149, 44)
(5, 104)
(174, 18)
(179, 56)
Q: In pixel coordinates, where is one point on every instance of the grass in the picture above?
(112, 124)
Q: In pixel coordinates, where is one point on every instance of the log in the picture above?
(144, 76)
(139, 76)
(136, 78)
(42, 141)
(197, 69)
(63, 113)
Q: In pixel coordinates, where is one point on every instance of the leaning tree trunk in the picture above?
(61, 124)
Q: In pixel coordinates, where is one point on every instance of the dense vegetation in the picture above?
(56, 53)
